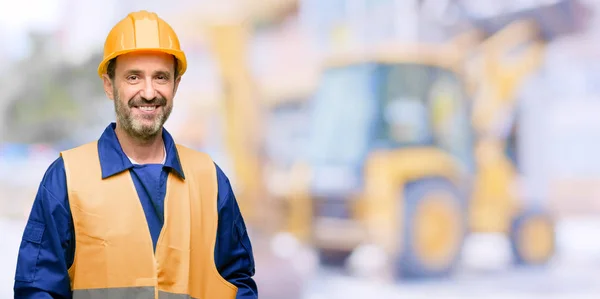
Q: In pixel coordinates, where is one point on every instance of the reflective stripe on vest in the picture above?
(114, 256)
(126, 293)
(116, 293)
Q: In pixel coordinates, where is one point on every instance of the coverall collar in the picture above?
(113, 160)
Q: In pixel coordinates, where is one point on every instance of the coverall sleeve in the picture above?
(42, 259)
(233, 251)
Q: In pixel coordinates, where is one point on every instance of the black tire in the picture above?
(412, 262)
(532, 238)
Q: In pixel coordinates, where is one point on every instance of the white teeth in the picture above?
(147, 108)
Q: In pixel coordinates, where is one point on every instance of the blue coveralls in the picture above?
(48, 244)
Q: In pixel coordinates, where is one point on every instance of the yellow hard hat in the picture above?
(142, 31)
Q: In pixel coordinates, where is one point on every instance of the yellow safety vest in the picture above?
(114, 256)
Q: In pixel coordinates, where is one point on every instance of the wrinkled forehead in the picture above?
(146, 62)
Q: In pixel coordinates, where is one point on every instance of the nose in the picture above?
(148, 91)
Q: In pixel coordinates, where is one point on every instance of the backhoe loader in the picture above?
(407, 151)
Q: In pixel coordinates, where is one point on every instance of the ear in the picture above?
(176, 85)
(108, 87)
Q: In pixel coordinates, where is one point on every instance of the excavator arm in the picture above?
(512, 48)
(502, 71)
(241, 111)
(229, 31)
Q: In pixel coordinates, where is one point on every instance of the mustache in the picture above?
(139, 101)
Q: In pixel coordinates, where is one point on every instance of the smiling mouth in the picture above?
(147, 108)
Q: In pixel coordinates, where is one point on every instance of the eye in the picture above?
(132, 77)
(162, 77)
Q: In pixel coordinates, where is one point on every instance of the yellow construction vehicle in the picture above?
(405, 152)
(391, 153)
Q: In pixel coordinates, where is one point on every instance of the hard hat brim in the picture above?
(179, 55)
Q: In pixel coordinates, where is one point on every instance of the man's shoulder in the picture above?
(58, 165)
(55, 174)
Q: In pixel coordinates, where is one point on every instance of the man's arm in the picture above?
(233, 251)
(47, 243)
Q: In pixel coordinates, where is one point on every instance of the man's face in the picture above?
(142, 90)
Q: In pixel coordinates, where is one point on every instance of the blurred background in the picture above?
(377, 148)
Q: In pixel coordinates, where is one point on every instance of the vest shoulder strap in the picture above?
(82, 164)
(196, 162)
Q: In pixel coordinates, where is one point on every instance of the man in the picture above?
(133, 215)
